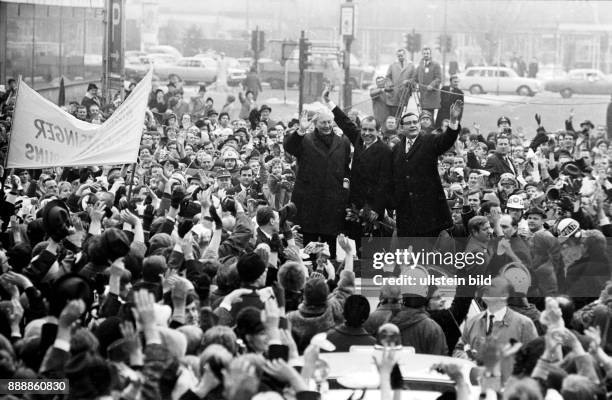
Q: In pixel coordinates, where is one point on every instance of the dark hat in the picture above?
(254, 155)
(250, 267)
(229, 139)
(248, 322)
(503, 119)
(223, 173)
(56, 220)
(69, 287)
(571, 169)
(536, 210)
(315, 294)
(116, 243)
(587, 122)
(19, 256)
(212, 112)
(265, 107)
(243, 130)
(92, 86)
(202, 88)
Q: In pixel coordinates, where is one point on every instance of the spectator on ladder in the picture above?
(429, 78)
(400, 74)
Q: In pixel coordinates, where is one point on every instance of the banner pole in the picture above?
(131, 183)
(8, 148)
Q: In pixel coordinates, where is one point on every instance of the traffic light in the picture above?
(257, 41)
(416, 42)
(305, 53)
(408, 39)
(448, 43)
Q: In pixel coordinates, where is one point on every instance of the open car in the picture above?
(356, 371)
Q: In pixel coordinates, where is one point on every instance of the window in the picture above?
(184, 63)
(488, 73)
(472, 72)
(503, 74)
(576, 75)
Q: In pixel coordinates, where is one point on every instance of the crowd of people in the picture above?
(211, 265)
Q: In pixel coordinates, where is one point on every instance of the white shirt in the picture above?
(497, 316)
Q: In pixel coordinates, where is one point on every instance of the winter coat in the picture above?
(417, 193)
(306, 323)
(418, 330)
(343, 337)
(319, 193)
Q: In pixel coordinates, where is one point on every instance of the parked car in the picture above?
(160, 58)
(581, 81)
(480, 80)
(164, 49)
(236, 73)
(190, 69)
(136, 67)
(196, 70)
(548, 72)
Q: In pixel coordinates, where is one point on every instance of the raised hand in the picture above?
(455, 111)
(71, 313)
(325, 96)
(129, 217)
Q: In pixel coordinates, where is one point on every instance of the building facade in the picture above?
(43, 40)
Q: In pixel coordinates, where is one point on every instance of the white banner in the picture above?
(43, 135)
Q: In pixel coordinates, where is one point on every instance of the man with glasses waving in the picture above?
(417, 194)
(370, 168)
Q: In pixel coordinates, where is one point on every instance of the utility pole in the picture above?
(347, 30)
(443, 47)
(302, 62)
(108, 8)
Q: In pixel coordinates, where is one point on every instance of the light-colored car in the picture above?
(190, 70)
(478, 80)
(581, 81)
(165, 49)
(235, 72)
(356, 370)
(136, 66)
(160, 59)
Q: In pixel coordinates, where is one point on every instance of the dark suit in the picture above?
(370, 170)
(446, 100)
(497, 165)
(318, 194)
(417, 192)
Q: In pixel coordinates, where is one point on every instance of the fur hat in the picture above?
(250, 267)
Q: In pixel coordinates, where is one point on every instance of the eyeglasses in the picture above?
(409, 122)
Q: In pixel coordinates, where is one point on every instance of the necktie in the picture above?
(490, 326)
(409, 143)
(510, 165)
